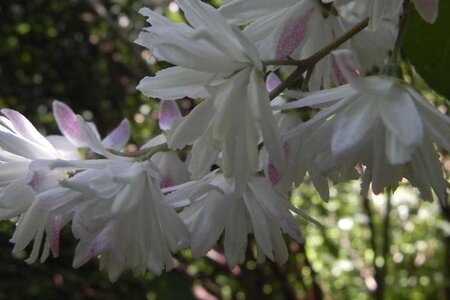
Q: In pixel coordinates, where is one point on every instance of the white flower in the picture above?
(118, 210)
(30, 189)
(48, 212)
(290, 29)
(377, 10)
(216, 62)
(251, 207)
(381, 123)
(123, 217)
(20, 144)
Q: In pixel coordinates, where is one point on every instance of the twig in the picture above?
(102, 12)
(380, 275)
(141, 154)
(308, 63)
(403, 27)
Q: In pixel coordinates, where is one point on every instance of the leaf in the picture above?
(427, 46)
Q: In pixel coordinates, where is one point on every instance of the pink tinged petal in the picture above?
(168, 113)
(90, 138)
(55, 235)
(337, 74)
(119, 137)
(262, 114)
(166, 181)
(41, 180)
(345, 66)
(273, 174)
(272, 82)
(99, 244)
(68, 123)
(428, 9)
(293, 35)
(25, 128)
(348, 66)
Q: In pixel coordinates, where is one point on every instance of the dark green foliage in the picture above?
(427, 46)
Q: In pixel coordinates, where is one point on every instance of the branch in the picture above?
(102, 12)
(310, 62)
(380, 275)
(142, 154)
(403, 28)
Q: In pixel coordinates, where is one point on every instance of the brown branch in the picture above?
(310, 62)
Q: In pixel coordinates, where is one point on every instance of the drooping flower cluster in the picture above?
(245, 154)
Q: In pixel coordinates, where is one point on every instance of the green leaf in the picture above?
(427, 46)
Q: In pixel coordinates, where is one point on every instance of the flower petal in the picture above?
(168, 113)
(176, 83)
(119, 137)
(428, 9)
(68, 124)
(25, 128)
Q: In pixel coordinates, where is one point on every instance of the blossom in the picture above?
(381, 123)
(20, 144)
(122, 215)
(236, 209)
(380, 9)
(217, 63)
(290, 29)
(31, 190)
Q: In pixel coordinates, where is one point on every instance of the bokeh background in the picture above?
(81, 52)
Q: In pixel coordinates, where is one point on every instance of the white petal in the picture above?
(168, 113)
(428, 9)
(240, 12)
(191, 126)
(353, 124)
(119, 137)
(260, 223)
(272, 81)
(25, 128)
(397, 152)
(235, 237)
(68, 124)
(318, 99)
(176, 83)
(262, 113)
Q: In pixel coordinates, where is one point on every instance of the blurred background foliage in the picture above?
(81, 52)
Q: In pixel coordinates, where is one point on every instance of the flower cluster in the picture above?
(245, 153)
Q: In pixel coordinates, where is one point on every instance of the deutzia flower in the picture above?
(216, 62)
(380, 9)
(252, 207)
(20, 144)
(381, 123)
(290, 29)
(120, 213)
(32, 190)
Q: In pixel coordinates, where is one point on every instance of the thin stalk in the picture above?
(141, 154)
(381, 272)
(403, 28)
